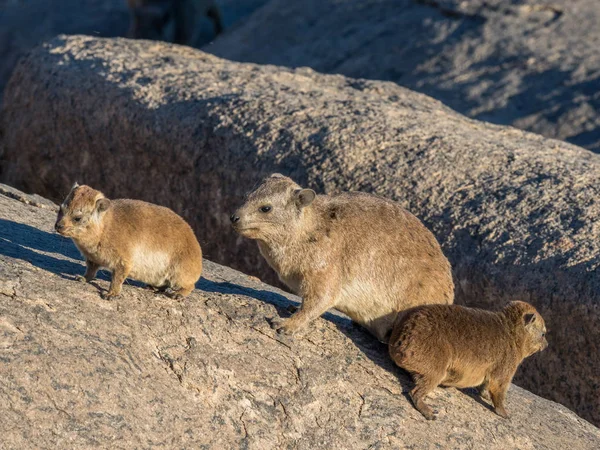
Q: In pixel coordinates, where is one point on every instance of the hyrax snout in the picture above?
(358, 253)
(131, 238)
(452, 345)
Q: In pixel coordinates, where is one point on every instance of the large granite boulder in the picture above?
(534, 64)
(516, 214)
(208, 372)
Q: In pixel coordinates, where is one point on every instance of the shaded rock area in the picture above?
(233, 11)
(533, 64)
(208, 372)
(27, 23)
(516, 214)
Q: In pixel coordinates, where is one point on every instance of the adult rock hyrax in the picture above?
(452, 345)
(131, 238)
(358, 253)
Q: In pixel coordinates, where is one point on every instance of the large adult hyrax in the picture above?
(131, 238)
(452, 345)
(178, 21)
(358, 253)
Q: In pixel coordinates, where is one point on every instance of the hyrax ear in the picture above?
(276, 175)
(102, 204)
(529, 318)
(304, 197)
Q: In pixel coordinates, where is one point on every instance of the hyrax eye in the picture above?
(76, 219)
(265, 208)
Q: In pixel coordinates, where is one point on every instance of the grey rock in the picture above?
(208, 372)
(533, 64)
(516, 214)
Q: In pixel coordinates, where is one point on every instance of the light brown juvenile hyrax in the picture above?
(131, 238)
(452, 345)
(358, 253)
(178, 21)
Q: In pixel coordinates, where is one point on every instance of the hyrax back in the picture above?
(452, 345)
(131, 238)
(358, 253)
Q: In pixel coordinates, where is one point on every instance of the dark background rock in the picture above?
(27, 23)
(533, 64)
(516, 214)
(208, 372)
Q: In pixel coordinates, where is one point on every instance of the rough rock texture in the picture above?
(534, 64)
(27, 23)
(516, 214)
(208, 372)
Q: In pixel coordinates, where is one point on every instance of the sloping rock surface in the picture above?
(516, 214)
(534, 64)
(208, 372)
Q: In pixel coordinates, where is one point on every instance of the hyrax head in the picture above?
(533, 325)
(273, 209)
(81, 211)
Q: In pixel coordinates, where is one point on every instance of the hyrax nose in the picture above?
(234, 218)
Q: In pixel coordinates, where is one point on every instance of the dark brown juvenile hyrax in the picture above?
(131, 238)
(452, 345)
(178, 21)
(358, 253)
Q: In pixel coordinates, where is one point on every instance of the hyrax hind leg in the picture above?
(424, 384)
(484, 389)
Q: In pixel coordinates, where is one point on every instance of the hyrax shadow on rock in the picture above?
(131, 238)
(452, 345)
(358, 253)
(178, 21)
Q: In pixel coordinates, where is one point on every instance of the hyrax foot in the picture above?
(110, 295)
(282, 326)
(423, 408)
(501, 411)
(178, 294)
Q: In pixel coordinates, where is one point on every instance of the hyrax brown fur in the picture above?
(178, 21)
(452, 345)
(131, 238)
(358, 253)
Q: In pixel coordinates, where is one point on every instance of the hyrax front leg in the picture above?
(91, 269)
(120, 273)
(498, 389)
(315, 302)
